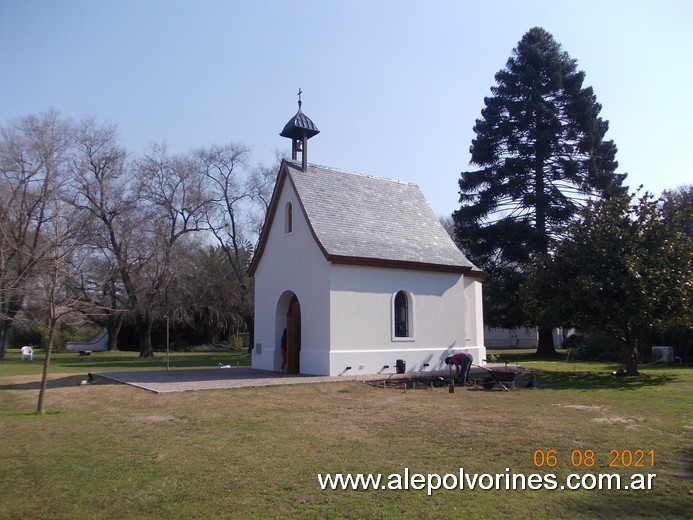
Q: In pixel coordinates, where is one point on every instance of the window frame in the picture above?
(395, 318)
(288, 218)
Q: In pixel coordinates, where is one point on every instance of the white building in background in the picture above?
(360, 273)
(523, 337)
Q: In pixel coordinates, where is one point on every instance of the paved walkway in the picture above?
(161, 381)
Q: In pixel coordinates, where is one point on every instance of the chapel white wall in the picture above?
(292, 262)
(445, 317)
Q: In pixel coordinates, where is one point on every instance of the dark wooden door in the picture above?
(293, 337)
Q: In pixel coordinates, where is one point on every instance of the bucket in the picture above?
(401, 366)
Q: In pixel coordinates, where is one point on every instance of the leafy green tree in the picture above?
(542, 154)
(623, 269)
(677, 206)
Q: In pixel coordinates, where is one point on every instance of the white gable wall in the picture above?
(362, 336)
(291, 262)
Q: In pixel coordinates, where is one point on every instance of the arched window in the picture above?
(401, 315)
(288, 218)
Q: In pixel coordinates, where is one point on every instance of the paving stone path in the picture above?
(161, 381)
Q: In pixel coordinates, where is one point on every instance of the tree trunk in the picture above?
(4, 329)
(545, 343)
(631, 351)
(545, 340)
(112, 341)
(144, 333)
(40, 406)
(114, 324)
(542, 240)
(250, 324)
(9, 314)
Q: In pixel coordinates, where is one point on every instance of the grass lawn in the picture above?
(114, 451)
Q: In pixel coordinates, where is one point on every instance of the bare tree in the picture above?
(261, 185)
(448, 225)
(38, 229)
(222, 169)
(174, 204)
(60, 238)
(142, 245)
(33, 151)
(229, 216)
(143, 216)
(103, 192)
(207, 291)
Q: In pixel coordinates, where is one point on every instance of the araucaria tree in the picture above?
(541, 149)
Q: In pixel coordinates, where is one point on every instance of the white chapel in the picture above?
(360, 273)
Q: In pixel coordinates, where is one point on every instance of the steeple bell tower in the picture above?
(299, 129)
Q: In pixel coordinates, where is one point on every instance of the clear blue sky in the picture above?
(394, 86)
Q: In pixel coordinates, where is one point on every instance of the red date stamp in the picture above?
(625, 458)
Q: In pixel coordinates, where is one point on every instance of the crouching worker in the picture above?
(462, 362)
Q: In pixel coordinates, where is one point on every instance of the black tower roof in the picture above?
(298, 126)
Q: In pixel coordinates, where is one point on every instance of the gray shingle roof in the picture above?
(356, 216)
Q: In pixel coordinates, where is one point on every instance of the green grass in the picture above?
(113, 451)
(70, 362)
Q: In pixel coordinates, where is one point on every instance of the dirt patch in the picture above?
(612, 420)
(605, 416)
(479, 378)
(432, 383)
(586, 408)
(410, 383)
(157, 418)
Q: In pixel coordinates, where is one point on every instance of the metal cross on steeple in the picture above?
(299, 97)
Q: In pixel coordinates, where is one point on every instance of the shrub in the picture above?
(599, 346)
(574, 341)
(23, 333)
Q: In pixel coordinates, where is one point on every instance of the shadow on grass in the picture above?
(559, 380)
(556, 372)
(59, 382)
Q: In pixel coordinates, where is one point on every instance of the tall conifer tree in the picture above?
(541, 152)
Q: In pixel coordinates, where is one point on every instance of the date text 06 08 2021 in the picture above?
(627, 458)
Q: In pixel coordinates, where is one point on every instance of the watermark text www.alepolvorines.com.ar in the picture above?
(508, 481)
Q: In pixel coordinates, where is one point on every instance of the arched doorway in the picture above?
(293, 337)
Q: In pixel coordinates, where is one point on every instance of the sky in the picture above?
(394, 86)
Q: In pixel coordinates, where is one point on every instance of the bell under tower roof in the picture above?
(299, 129)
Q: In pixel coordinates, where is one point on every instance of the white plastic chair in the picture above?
(27, 353)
